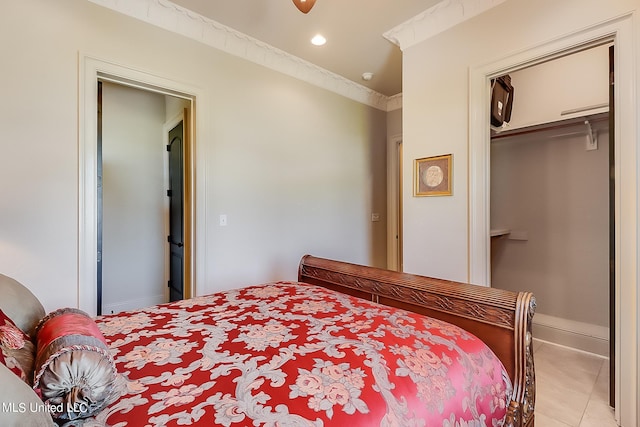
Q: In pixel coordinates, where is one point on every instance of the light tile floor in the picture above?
(572, 388)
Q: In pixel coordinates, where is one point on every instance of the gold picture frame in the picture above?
(432, 176)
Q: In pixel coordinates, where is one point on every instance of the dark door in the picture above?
(99, 204)
(176, 213)
(612, 243)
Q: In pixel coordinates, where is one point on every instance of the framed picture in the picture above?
(432, 176)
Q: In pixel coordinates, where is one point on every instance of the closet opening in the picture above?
(552, 200)
(142, 139)
(620, 32)
(178, 103)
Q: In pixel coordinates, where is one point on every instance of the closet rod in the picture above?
(559, 125)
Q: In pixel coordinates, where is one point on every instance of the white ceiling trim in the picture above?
(435, 20)
(171, 17)
(394, 102)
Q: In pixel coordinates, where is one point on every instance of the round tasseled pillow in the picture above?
(74, 370)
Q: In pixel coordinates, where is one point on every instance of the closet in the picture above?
(550, 197)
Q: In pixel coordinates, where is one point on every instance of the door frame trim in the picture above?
(394, 203)
(90, 70)
(621, 31)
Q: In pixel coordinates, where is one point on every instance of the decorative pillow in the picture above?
(16, 349)
(20, 304)
(21, 406)
(74, 370)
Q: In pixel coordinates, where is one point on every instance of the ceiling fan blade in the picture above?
(304, 5)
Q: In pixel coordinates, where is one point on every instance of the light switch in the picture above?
(223, 220)
(375, 217)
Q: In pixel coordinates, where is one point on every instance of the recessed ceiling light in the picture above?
(318, 40)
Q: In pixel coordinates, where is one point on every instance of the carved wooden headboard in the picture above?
(502, 319)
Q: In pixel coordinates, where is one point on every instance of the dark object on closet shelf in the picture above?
(501, 100)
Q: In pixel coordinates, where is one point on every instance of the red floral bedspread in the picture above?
(292, 354)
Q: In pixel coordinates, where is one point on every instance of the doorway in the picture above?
(551, 200)
(620, 32)
(394, 203)
(91, 70)
(140, 191)
(549, 189)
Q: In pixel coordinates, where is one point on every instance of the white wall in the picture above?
(553, 196)
(552, 90)
(297, 169)
(394, 123)
(174, 106)
(134, 198)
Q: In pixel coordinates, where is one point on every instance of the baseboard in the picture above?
(133, 304)
(570, 333)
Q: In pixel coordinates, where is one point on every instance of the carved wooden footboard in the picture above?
(502, 319)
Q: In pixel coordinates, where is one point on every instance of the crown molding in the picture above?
(394, 102)
(174, 18)
(435, 20)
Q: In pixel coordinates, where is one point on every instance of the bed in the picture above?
(343, 345)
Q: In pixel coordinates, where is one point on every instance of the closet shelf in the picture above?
(497, 232)
(506, 132)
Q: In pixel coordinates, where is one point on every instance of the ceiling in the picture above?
(353, 28)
